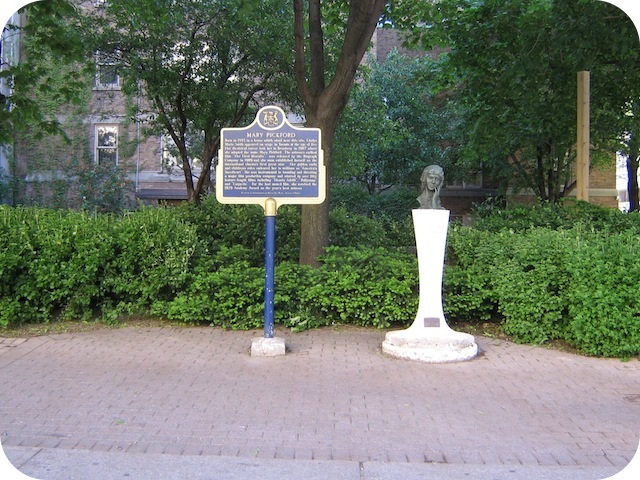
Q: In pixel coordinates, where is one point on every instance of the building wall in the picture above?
(9, 56)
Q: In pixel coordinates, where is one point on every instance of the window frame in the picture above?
(98, 148)
(102, 63)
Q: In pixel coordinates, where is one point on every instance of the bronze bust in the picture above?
(430, 184)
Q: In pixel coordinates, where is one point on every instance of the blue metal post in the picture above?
(269, 261)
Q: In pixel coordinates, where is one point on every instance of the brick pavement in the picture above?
(334, 396)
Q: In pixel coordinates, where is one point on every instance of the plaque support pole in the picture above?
(269, 263)
(268, 345)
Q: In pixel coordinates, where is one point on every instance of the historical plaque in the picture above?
(270, 159)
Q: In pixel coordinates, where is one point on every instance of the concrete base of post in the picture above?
(268, 347)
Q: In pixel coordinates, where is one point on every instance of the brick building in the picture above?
(9, 48)
(107, 148)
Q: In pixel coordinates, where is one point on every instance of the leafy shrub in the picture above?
(231, 296)
(371, 287)
(576, 281)
(529, 282)
(74, 263)
(291, 304)
(555, 217)
(468, 275)
(390, 209)
(396, 203)
(52, 261)
(347, 229)
(604, 305)
(576, 284)
(353, 198)
(154, 251)
(219, 225)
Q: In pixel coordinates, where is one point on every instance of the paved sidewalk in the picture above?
(125, 397)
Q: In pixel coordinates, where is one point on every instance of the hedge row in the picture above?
(63, 263)
(170, 262)
(361, 286)
(576, 282)
(577, 285)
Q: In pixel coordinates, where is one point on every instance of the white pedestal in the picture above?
(429, 338)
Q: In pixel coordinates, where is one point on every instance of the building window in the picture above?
(107, 144)
(107, 77)
(169, 162)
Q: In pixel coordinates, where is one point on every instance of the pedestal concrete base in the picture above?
(267, 347)
(431, 345)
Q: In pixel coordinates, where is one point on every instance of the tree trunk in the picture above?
(314, 228)
(188, 178)
(323, 104)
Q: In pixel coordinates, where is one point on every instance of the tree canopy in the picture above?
(202, 66)
(395, 124)
(513, 64)
(47, 40)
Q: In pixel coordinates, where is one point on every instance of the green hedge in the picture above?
(363, 286)
(573, 279)
(554, 217)
(576, 285)
(70, 264)
(194, 265)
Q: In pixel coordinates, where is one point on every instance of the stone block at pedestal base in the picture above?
(267, 347)
(436, 345)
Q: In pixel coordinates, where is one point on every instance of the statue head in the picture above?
(431, 182)
(432, 178)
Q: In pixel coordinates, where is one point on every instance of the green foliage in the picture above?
(46, 39)
(365, 286)
(104, 188)
(554, 216)
(53, 261)
(513, 64)
(468, 285)
(394, 125)
(604, 305)
(231, 297)
(154, 251)
(372, 287)
(219, 225)
(203, 65)
(347, 229)
(576, 283)
(76, 264)
(353, 197)
(390, 209)
(529, 282)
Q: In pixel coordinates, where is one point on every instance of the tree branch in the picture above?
(316, 44)
(299, 64)
(362, 21)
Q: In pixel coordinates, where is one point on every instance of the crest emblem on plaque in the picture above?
(270, 118)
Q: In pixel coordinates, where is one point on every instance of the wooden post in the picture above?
(583, 141)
